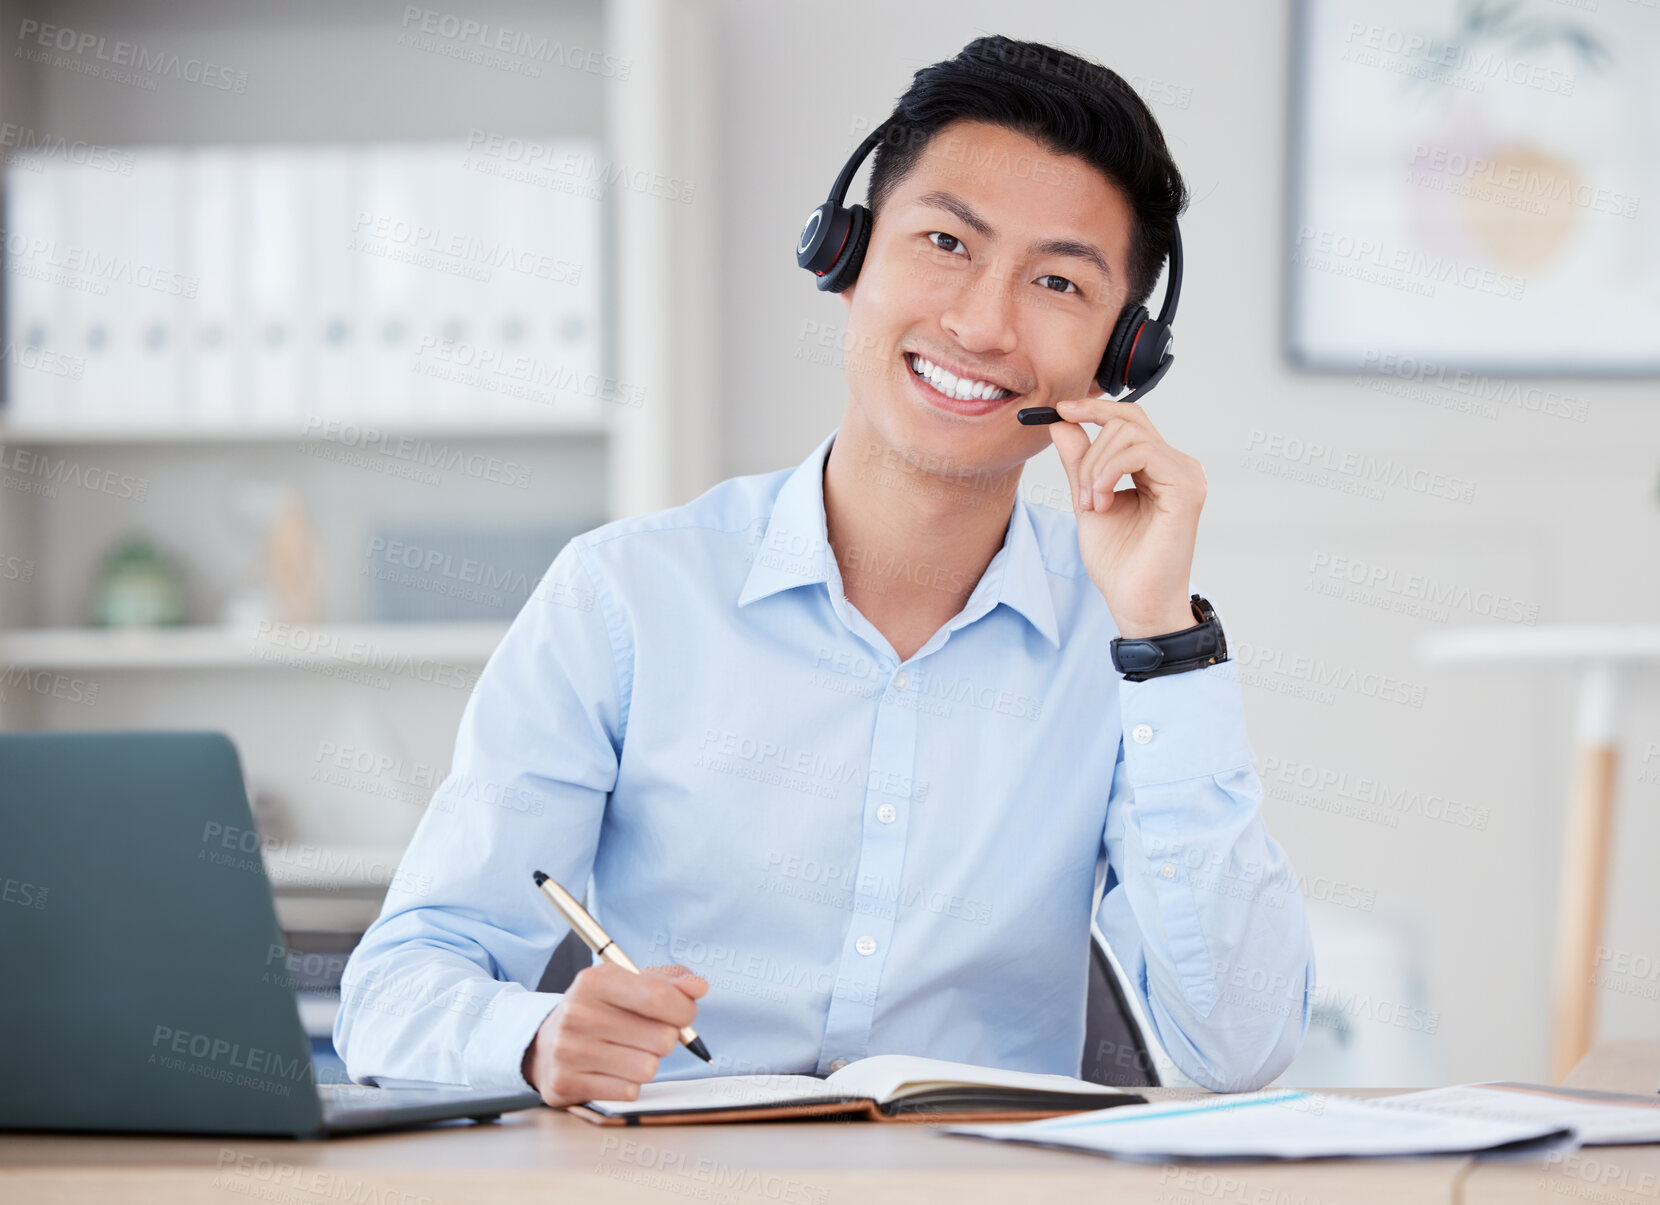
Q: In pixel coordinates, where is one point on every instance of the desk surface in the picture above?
(547, 1155)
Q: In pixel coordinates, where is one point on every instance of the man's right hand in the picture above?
(605, 1038)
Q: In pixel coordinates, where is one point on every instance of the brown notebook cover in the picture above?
(883, 1087)
(863, 1110)
(960, 1100)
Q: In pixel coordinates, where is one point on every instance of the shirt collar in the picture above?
(794, 551)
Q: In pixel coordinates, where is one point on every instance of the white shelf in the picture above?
(1558, 642)
(555, 423)
(382, 647)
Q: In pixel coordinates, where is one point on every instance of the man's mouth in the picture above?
(963, 389)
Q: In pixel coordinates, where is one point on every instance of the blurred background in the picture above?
(327, 324)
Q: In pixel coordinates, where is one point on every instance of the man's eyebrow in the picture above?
(953, 204)
(1076, 250)
(965, 213)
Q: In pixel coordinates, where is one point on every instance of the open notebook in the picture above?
(884, 1087)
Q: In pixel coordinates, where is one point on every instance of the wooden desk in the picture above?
(1598, 1175)
(548, 1156)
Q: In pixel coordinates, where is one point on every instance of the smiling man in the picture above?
(845, 744)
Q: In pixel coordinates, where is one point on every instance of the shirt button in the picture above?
(1168, 870)
(887, 813)
(865, 945)
(901, 680)
(1142, 734)
(838, 1064)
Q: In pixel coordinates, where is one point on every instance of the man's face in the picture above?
(1000, 262)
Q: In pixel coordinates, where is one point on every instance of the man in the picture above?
(847, 740)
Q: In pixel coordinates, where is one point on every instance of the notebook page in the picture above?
(722, 1092)
(885, 1077)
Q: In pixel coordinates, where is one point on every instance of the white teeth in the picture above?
(962, 389)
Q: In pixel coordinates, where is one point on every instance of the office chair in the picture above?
(1114, 1050)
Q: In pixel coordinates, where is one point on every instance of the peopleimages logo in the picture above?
(211, 1057)
(27, 148)
(418, 454)
(548, 159)
(1403, 268)
(1378, 368)
(1511, 183)
(1384, 798)
(1470, 67)
(1253, 662)
(1361, 468)
(1373, 584)
(478, 37)
(117, 54)
(455, 251)
(91, 269)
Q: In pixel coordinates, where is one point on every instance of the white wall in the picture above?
(1564, 514)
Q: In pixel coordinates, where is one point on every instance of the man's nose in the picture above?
(981, 314)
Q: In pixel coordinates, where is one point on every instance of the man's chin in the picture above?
(974, 455)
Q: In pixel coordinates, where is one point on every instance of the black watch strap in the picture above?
(1175, 652)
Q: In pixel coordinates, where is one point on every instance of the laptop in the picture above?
(147, 983)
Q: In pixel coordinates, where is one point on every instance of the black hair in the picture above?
(1065, 103)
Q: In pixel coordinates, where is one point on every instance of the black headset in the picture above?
(832, 247)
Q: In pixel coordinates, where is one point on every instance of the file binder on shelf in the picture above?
(43, 356)
(214, 341)
(272, 259)
(255, 288)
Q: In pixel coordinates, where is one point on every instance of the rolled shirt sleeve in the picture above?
(1202, 907)
(441, 988)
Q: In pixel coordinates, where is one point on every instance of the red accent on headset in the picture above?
(1129, 359)
(838, 254)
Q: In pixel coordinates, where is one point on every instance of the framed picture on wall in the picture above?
(1474, 185)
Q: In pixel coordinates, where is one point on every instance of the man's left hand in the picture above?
(1137, 544)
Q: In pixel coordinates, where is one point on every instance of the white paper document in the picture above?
(1283, 1124)
(1598, 1118)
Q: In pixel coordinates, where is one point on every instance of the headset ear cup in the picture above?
(1110, 376)
(1146, 352)
(845, 270)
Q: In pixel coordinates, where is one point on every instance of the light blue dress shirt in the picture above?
(862, 856)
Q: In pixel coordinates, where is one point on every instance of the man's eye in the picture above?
(945, 242)
(1065, 286)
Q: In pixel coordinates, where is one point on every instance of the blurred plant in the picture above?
(138, 586)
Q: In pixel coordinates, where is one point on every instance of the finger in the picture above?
(1098, 473)
(583, 1052)
(1102, 410)
(605, 1023)
(649, 995)
(1104, 479)
(1154, 467)
(684, 978)
(1113, 440)
(1071, 442)
(567, 1087)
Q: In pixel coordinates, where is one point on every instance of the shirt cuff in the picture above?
(495, 1054)
(1185, 725)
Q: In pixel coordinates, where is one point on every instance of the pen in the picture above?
(599, 941)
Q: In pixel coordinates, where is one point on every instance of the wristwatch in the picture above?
(1175, 652)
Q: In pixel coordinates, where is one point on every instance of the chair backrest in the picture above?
(1114, 1050)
